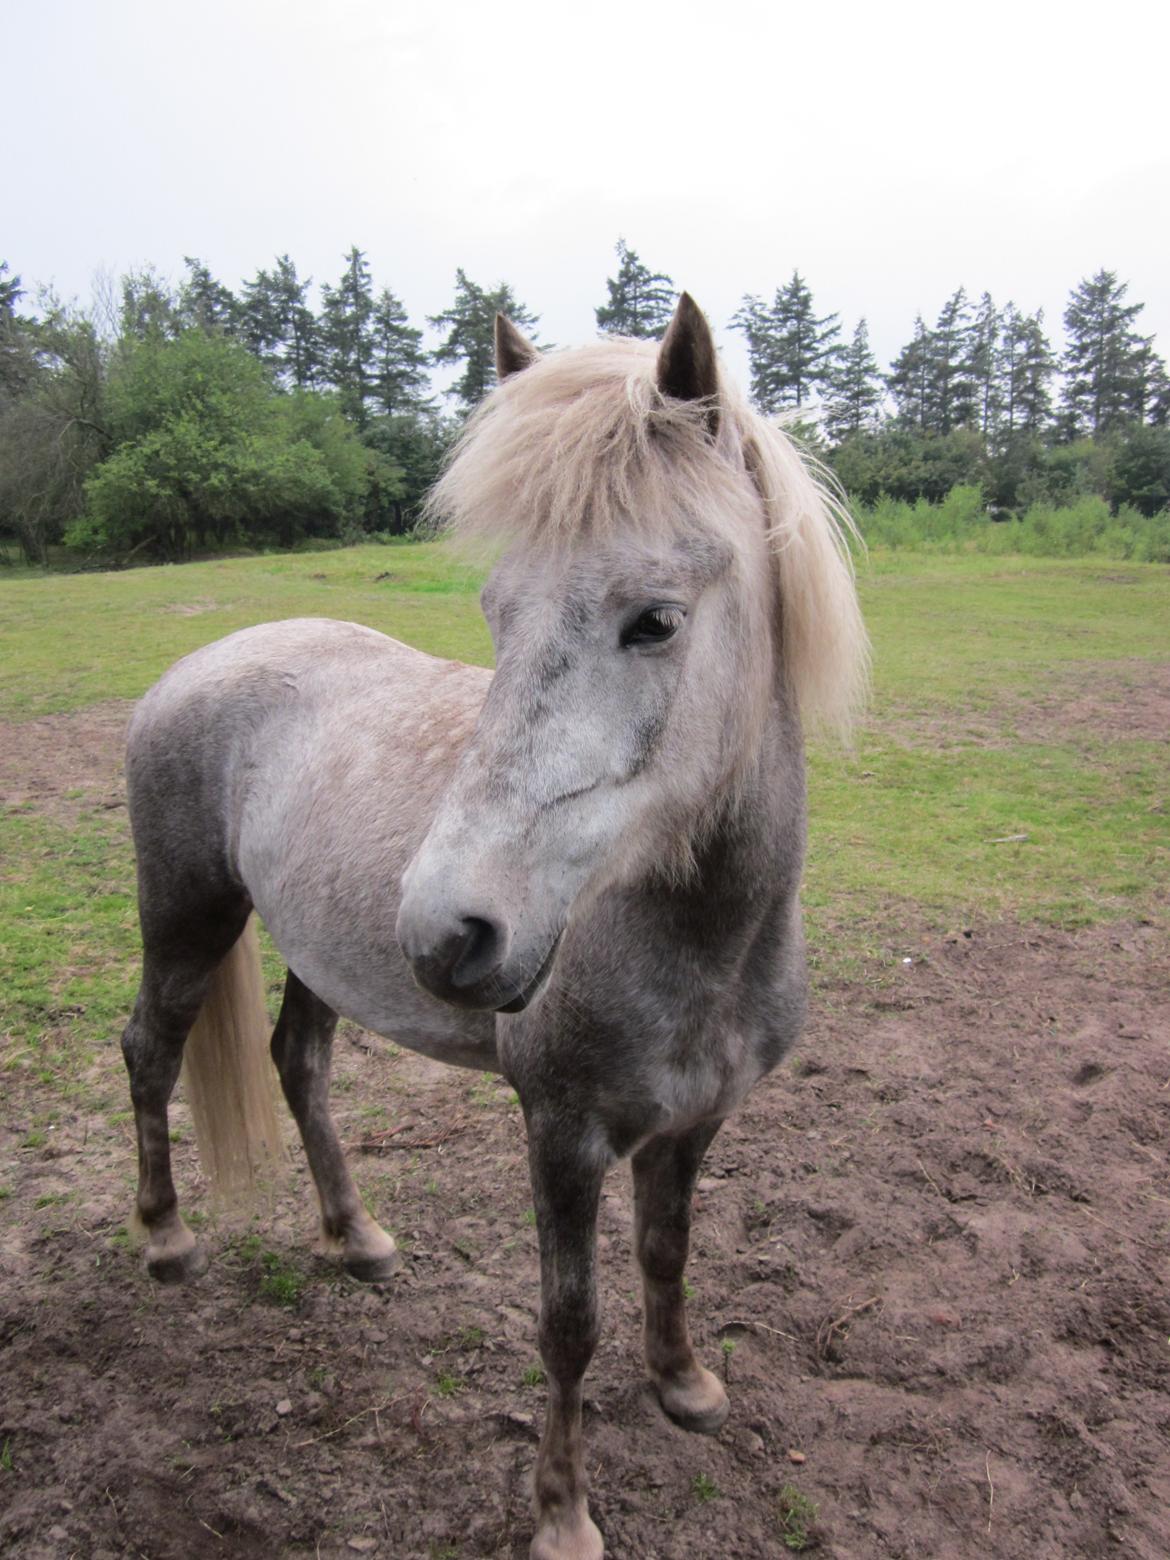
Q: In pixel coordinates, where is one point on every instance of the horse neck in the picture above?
(746, 849)
(757, 816)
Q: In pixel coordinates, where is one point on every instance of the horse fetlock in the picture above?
(694, 1398)
(173, 1255)
(568, 1535)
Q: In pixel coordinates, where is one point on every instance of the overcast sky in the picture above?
(891, 153)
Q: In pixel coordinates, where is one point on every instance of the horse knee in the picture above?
(662, 1253)
(570, 1328)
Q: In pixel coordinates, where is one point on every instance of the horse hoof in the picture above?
(580, 1540)
(373, 1270)
(697, 1403)
(167, 1265)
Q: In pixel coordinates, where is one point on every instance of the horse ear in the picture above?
(513, 351)
(688, 369)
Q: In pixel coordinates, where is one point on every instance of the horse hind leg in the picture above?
(302, 1047)
(178, 967)
(665, 1170)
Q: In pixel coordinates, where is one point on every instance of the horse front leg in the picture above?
(566, 1185)
(302, 1048)
(665, 1171)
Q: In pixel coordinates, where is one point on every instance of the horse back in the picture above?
(247, 738)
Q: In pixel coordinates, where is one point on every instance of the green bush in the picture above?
(207, 452)
(1086, 527)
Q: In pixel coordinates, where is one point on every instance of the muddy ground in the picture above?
(937, 1244)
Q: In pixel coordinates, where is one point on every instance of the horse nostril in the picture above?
(483, 950)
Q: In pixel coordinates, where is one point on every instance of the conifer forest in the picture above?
(160, 421)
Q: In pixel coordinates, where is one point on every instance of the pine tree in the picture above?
(641, 301)
(11, 291)
(277, 325)
(347, 335)
(399, 365)
(752, 319)
(792, 352)
(149, 310)
(807, 345)
(937, 379)
(17, 358)
(470, 324)
(1158, 409)
(1024, 366)
(1153, 388)
(261, 328)
(204, 303)
(853, 403)
(952, 386)
(909, 379)
(983, 361)
(1104, 362)
(301, 330)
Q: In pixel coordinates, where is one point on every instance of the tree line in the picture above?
(980, 398)
(162, 419)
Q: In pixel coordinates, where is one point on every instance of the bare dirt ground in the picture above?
(938, 1244)
(1108, 701)
(61, 765)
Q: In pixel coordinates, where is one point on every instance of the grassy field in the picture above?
(999, 774)
(999, 1098)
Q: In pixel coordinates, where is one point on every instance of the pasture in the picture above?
(929, 1253)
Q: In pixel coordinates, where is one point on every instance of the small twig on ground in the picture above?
(990, 1490)
(417, 1410)
(948, 1210)
(1007, 839)
(1088, 1213)
(735, 1321)
(380, 1143)
(374, 1409)
(833, 1326)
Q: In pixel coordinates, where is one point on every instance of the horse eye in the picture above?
(654, 625)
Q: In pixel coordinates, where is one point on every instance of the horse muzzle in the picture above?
(470, 959)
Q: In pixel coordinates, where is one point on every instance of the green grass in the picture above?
(956, 755)
(278, 1279)
(281, 1281)
(68, 946)
(797, 1515)
(124, 629)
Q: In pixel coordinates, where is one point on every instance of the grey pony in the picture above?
(581, 872)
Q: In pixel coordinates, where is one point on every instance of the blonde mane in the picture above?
(584, 444)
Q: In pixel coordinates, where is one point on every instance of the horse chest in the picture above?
(702, 1080)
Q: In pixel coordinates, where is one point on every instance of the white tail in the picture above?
(229, 1079)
